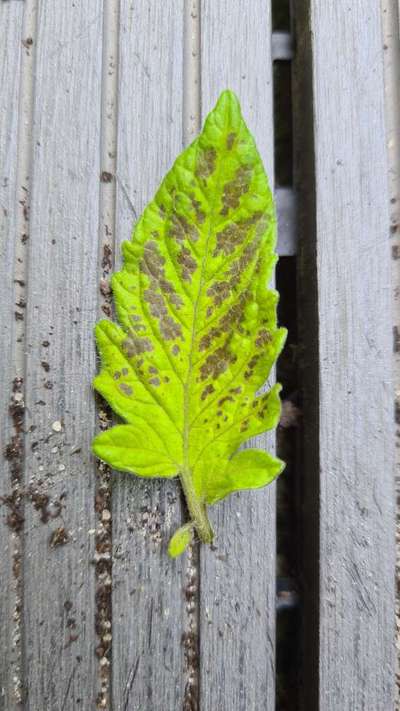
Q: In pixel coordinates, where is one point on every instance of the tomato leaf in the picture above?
(198, 332)
(180, 540)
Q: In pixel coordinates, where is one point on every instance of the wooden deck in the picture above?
(97, 98)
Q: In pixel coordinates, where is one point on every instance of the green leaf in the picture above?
(140, 451)
(198, 333)
(249, 469)
(180, 540)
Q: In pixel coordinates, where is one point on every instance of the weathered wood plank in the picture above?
(60, 521)
(148, 605)
(391, 35)
(11, 49)
(237, 615)
(355, 439)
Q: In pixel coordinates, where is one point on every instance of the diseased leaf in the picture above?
(198, 333)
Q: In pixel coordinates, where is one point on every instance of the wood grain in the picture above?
(356, 589)
(62, 283)
(391, 38)
(11, 49)
(74, 176)
(148, 605)
(237, 615)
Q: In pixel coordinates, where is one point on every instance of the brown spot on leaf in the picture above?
(155, 381)
(234, 234)
(251, 365)
(219, 291)
(125, 389)
(207, 391)
(170, 329)
(230, 139)
(187, 263)
(236, 391)
(264, 403)
(137, 327)
(200, 215)
(159, 289)
(206, 160)
(133, 345)
(227, 398)
(217, 363)
(263, 337)
(181, 229)
(227, 322)
(235, 188)
(238, 267)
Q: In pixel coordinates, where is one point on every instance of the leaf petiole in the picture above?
(197, 508)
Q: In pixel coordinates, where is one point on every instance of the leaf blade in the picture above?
(180, 540)
(249, 469)
(122, 447)
(198, 330)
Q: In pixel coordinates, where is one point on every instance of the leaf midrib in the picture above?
(187, 383)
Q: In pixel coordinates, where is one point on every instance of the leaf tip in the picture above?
(227, 96)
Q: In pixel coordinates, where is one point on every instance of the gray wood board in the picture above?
(391, 35)
(148, 601)
(356, 641)
(59, 580)
(237, 613)
(11, 19)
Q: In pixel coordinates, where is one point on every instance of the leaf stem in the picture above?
(197, 508)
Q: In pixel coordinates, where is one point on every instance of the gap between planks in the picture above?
(106, 261)
(191, 125)
(22, 207)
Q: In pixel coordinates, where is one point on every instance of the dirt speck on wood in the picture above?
(59, 537)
